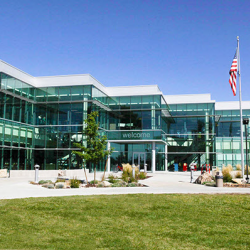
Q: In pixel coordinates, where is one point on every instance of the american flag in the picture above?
(233, 74)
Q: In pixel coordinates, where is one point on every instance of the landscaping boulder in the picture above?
(205, 177)
(239, 181)
(106, 184)
(48, 185)
(59, 185)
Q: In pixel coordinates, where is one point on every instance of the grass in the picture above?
(140, 221)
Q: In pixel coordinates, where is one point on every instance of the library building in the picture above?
(41, 119)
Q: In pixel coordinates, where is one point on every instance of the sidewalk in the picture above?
(167, 183)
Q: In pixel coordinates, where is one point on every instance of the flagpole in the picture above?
(241, 120)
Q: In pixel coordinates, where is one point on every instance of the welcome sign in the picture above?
(136, 135)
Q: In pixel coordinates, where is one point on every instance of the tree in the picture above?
(95, 150)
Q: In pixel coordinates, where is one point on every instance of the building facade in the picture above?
(41, 119)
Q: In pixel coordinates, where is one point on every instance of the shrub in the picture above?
(226, 173)
(132, 179)
(128, 177)
(60, 180)
(94, 182)
(125, 176)
(132, 184)
(142, 176)
(227, 177)
(238, 174)
(238, 167)
(74, 183)
(112, 178)
(246, 170)
(100, 184)
(128, 168)
(119, 184)
(44, 181)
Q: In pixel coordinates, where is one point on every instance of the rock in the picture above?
(47, 185)
(239, 181)
(205, 177)
(106, 184)
(59, 185)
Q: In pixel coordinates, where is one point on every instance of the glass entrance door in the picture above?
(139, 160)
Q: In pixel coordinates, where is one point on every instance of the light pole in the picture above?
(245, 122)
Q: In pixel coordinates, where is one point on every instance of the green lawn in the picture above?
(143, 221)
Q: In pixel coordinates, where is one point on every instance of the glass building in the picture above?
(41, 119)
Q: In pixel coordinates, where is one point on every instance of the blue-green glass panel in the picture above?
(87, 92)
(10, 83)
(41, 94)
(65, 93)
(125, 122)
(52, 114)
(51, 137)
(64, 137)
(2, 100)
(26, 90)
(136, 120)
(147, 102)
(53, 94)
(157, 119)
(9, 107)
(114, 103)
(64, 113)
(51, 158)
(76, 113)
(125, 102)
(77, 93)
(157, 101)
(40, 114)
(18, 87)
(136, 102)
(146, 120)
(39, 134)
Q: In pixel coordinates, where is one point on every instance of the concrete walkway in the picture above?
(167, 183)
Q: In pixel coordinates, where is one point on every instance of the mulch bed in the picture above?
(236, 185)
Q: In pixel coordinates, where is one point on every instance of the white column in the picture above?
(85, 116)
(207, 137)
(108, 163)
(153, 116)
(153, 157)
(166, 158)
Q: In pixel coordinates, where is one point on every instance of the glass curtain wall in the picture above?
(191, 134)
(40, 126)
(228, 145)
(135, 113)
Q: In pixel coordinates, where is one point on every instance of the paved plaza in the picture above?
(159, 183)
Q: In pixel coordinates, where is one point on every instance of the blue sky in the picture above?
(185, 47)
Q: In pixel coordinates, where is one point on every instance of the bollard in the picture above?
(36, 172)
(191, 171)
(219, 180)
(133, 170)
